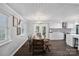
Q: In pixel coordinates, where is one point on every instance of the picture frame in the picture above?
(18, 30)
(19, 21)
(17, 25)
(15, 21)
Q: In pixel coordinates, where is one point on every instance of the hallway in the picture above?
(58, 48)
(20, 21)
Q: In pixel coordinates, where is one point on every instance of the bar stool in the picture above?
(76, 44)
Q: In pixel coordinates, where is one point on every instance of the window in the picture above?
(3, 29)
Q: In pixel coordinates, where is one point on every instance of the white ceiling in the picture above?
(56, 12)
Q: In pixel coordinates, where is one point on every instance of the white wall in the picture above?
(57, 33)
(31, 30)
(11, 47)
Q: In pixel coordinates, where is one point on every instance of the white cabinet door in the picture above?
(69, 40)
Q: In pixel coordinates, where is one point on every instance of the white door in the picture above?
(41, 28)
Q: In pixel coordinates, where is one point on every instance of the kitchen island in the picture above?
(70, 39)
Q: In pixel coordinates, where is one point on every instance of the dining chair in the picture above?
(38, 47)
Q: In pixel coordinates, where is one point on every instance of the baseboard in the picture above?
(5, 42)
(56, 39)
(18, 48)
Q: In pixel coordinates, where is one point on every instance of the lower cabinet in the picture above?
(69, 40)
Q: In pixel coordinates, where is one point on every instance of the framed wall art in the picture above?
(15, 21)
(18, 30)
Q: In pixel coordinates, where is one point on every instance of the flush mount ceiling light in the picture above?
(38, 16)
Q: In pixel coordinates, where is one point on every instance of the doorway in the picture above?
(42, 28)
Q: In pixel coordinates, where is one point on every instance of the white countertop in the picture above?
(75, 35)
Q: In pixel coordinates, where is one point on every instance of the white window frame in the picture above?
(7, 40)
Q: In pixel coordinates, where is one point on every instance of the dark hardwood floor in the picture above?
(58, 48)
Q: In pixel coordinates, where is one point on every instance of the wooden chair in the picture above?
(47, 44)
(30, 43)
(38, 47)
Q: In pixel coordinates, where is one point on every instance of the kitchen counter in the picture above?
(70, 39)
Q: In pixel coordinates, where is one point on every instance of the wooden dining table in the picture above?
(46, 44)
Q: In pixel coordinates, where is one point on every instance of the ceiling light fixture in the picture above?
(38, 16)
